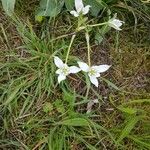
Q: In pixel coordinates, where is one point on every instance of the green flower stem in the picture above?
(79, 21)
(88, 47)
(88, 87)
(69, 48)
(100, 24)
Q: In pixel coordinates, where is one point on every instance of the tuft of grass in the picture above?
(37, 113)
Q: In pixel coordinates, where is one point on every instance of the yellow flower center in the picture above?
(65, 70)
(92, 72)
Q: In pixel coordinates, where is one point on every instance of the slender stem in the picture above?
(95, 25)
(88, 47)
(88, 89)
(69, 48)
(89, 60)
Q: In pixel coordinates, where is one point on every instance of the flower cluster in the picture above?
(93, 71)
(81, 10)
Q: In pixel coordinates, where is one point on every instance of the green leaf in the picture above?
(88, 145)
(99, 35)
(129, 126)
(50, 8)
(69, 4)
(140, 142)
(8, 6)
(74, 122)
(96, 6)
(14, 94)
(110, 84)
(128, 110)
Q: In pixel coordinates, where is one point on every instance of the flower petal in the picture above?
(101, 68)
(58, 62)
(79, 5)
(94, 80)
(86, 9)
(74, 13)
(74, 69)
(97, 75)
(115, 23)
(61, 78)
(84, 67)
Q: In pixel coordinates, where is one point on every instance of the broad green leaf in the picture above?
(81, 122)
(8, 6)
(69, 4)
(129, 126)
(100, 33)
(50, 8)
(96, 6)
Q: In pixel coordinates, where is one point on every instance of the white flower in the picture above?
(80, 9)
(64, 70)
(115, 23)
(93, 71)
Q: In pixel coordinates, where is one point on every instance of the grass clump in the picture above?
(38, 113)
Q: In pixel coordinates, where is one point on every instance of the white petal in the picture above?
(58, 62)
(117, 28)
(115, 23)
(94, 80)
(97, 75)
(79, 5)
(59, 71)
(61, 78)
(83, 66)
(102, 68)
(74, 13)
(86, 9)
(74, 69)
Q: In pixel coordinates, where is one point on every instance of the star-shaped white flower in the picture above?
(115, 23)
(63, 69)
(80, 9)
(93, 71)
